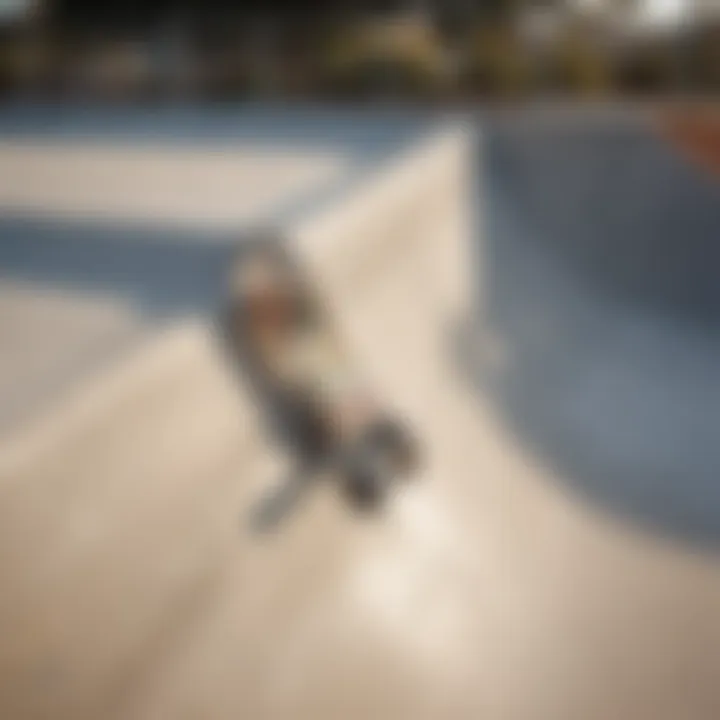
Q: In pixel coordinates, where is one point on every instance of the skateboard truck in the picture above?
(315, 398)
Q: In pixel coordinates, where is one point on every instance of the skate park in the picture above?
(536, 294)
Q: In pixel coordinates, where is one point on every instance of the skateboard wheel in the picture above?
(390, 439)
(385, 454)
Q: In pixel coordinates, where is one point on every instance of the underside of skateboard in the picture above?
(314, 396)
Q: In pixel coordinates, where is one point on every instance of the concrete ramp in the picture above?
(600, 266)
(133, 590)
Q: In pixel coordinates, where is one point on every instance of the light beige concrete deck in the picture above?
(192, 186)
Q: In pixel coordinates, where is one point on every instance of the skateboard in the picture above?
(314, 394)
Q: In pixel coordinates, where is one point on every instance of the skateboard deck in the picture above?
(314, 394)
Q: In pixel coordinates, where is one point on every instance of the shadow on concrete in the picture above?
(362, 135)
(160, 272)
(598, 315)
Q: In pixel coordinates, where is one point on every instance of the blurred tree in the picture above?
(398, 56)
(498, 64)
(701, 58)
(647, 68)
(578, 64)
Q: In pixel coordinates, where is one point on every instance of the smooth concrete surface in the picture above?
(132, 588)
(219, 188)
